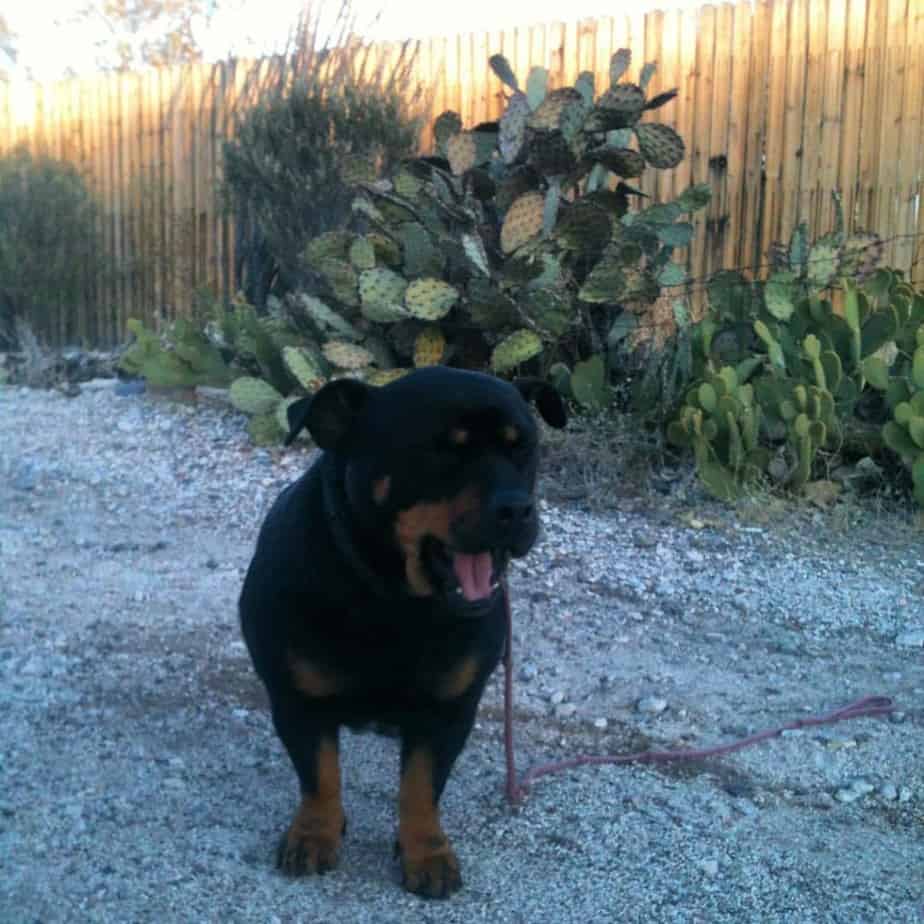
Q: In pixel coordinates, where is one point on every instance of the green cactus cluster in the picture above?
(803, 267)
(720, 421)
(181, 356)
(813, 369)
(904, 433)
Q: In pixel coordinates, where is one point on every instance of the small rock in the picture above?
(600, 723)
(913, 638)
(98, 384)
(528, 672)
(854, 790)
(25, 477)
(889, 792)
(904, 795)
(565, 710)
(557, 698)
(217, 395)
(652, 705)
(129, 387)
(138, 596)
(710, 868)
(840, 744)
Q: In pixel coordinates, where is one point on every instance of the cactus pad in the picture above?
(362, 254)
(430, 299)
(620, 107)
(324, 318)
(429, 347)
(330, 244)
(469, 149)
(551, 154)
(623, 162)
(421, 256)
(381, 292)
(305, 368)
(385, 376)
(264, 429)
(386, 250)
(548, 114)
(253, 396)
(523, 221)
(347, 355)
(619, 64)
(514, 349)
(513, 127)
(341, 277)
(822, 263)
(660, 145)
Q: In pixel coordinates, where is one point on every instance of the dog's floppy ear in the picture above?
(329, 414)
(548, 401)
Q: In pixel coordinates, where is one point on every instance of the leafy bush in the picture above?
(310, 122)
(49, 247)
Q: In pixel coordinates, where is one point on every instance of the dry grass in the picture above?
(604, 458)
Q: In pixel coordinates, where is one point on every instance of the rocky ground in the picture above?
(141, 780)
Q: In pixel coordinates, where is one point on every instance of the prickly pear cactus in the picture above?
(347, 355)
(305, 367)
(514, 242)
(721, 422)
(254, 396)
(514, 349)
(904, 434)
(430, 299)
(429, 347)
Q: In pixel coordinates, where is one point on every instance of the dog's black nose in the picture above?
(510, 512)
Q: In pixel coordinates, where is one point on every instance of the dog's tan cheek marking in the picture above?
(380, 489)
(428, 519)
(314, 681)
(510, 434)
(458, 436)
(459, 679)
(411, 526)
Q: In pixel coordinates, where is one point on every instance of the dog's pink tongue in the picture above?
(474, 574)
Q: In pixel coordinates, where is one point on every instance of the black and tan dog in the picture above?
(373, 598)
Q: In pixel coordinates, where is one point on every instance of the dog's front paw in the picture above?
(431, 868)
(303, 854)
(312, 843)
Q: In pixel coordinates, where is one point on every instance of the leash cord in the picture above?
(867, 706)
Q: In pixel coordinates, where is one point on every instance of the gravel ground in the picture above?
(141, 780)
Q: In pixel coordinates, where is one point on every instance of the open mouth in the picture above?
(468, 578)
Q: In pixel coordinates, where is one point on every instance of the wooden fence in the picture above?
(780, 102)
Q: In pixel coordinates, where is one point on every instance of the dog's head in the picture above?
(439, 467)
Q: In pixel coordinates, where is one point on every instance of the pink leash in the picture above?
(868, 706)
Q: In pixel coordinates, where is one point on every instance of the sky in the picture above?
(247, 28)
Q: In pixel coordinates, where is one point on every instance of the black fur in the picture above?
(328, 588)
